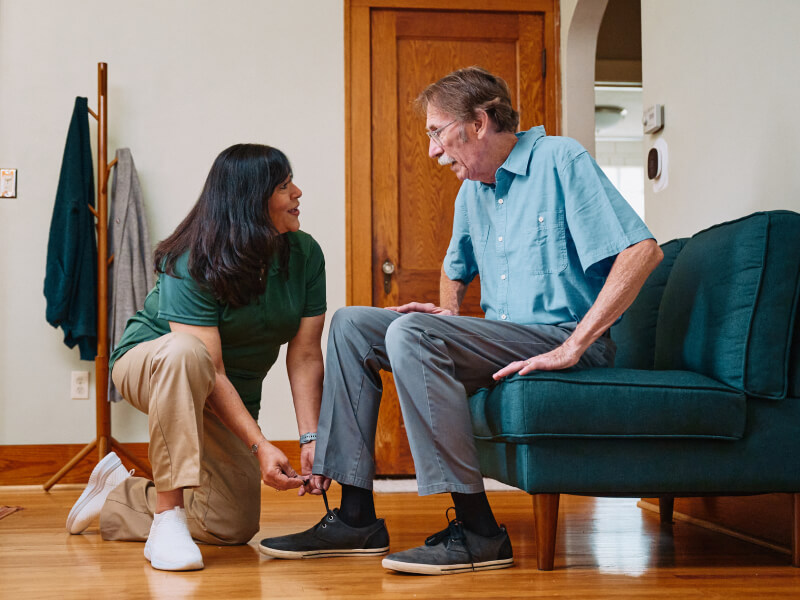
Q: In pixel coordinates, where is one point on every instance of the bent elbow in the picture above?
(657, 255)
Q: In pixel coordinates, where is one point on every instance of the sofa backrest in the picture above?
(728, 307)
(794, 359)
(635, 333)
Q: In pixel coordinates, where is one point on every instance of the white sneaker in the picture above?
(107, 475)
(170, 546)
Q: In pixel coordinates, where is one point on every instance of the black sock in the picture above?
(358, 507)
(474, 512)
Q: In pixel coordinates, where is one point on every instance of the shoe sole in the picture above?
(93, 488)
(293, 554)
(165, 566)
(424, 569)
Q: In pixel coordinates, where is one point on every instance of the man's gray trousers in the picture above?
(437, 362)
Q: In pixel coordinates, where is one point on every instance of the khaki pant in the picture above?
(169, 379)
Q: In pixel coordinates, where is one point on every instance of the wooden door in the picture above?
(410, 196)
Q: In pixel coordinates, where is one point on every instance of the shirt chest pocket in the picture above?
(547, 243)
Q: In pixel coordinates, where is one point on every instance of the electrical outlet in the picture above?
(79, 388)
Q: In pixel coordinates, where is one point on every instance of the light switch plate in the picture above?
(8, 183)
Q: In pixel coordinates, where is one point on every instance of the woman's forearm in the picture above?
(226, 403)
(306, 371)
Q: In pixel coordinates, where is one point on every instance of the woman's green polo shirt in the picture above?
(251, 335)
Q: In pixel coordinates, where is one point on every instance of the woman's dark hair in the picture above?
(228, 234)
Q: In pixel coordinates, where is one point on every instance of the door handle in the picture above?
(388, 268)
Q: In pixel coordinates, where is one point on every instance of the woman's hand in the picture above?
(316, 483)
(276, 471)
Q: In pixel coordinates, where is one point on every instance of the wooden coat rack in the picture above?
(104, 442)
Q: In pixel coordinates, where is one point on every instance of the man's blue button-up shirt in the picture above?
(544, 236)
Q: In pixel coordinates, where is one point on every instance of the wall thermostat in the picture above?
(653, 163)
(653, 118)
(658, 165)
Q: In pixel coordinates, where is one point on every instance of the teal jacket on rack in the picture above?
(70, 284)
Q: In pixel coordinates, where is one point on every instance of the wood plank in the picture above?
(493, 26)
(764, 516)
(606, 549)
(385, 245)
(495, 5)
(358, 153)
(34, 464)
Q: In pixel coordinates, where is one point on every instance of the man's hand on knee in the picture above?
(423, 307)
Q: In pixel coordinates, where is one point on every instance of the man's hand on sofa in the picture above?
(563, 357)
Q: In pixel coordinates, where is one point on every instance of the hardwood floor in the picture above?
(606, 548)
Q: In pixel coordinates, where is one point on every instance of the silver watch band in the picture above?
(308, 437)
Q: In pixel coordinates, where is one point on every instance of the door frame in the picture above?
(358, 115)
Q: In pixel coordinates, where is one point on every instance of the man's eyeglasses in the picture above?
(434, 135)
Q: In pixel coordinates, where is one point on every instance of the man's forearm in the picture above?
(451, 293)
(629, 272)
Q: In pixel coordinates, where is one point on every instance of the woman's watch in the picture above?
(308, 437)
(254, 447)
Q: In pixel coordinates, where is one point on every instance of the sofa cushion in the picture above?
(729, 304)
(607, 403)
(635, 334)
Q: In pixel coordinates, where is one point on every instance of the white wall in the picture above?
(186, 80)
(580, 24)
(727, 73)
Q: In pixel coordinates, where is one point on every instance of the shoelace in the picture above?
(454, 532)
(329, 514)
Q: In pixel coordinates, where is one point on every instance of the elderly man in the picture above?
(560, 255)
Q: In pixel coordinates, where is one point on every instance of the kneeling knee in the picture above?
(187, 352)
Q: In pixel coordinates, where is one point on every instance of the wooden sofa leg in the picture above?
(665, 506)
(796, 530)
(545, 522)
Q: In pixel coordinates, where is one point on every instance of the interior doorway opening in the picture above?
(619, 139)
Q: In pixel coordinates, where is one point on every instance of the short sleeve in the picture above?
(459, 262)
(183, 301)
(602, 224)
(316, 303)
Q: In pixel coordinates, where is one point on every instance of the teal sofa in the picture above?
(704, 397)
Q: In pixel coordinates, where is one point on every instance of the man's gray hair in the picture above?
(463, 93)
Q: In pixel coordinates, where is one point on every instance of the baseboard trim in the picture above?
(678, 516)
(34, 464)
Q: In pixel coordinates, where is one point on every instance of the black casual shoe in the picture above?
(454, 550)
(330, 537)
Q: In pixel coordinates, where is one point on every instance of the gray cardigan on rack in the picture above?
(131, 272)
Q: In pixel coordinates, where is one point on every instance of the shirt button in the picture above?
(503, 317)
(500, 201)
(502, 276)
(500, 239)
(541, 219)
